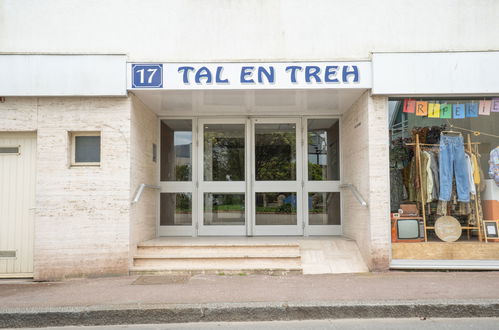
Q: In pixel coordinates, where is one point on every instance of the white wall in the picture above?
(435, 73)
(82, 216)
(365, 165)
(63, 75)
(144, 132)
(224, 30)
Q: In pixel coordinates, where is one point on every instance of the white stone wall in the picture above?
(235, 30)
(144, 132)
(82, 213)
(379, 182)
(365, 164)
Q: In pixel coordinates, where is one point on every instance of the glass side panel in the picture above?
(176, 150)
(224, 209)
(176, 209)
(324, 208)
(276, 208)
(323, 149)
(224, 152)
(275, 152)
(87, 149)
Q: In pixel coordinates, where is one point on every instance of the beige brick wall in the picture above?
(82, 214)
(365, 164)
(144, 132)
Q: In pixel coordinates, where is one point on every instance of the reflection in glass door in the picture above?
(264, 176)
(277, 177)
(322, 176)
(177, 175)
(222, 182)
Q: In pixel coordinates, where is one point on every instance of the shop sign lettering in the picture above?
(250, 75)
(451, 109)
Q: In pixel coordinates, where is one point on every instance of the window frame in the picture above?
(73, 136)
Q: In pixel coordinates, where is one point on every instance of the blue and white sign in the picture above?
(147, 75)
(298, 75)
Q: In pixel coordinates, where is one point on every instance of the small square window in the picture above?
(85, 148)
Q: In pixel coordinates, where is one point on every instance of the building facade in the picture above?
(126, 121)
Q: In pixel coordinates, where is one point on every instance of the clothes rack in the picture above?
(418, 147)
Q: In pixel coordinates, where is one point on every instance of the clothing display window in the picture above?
(438, 176)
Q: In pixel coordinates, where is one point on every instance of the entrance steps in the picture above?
(225, 256)
(247, 255)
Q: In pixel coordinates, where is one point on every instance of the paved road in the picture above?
(356, 324)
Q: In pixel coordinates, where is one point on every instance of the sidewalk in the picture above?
(165, 299)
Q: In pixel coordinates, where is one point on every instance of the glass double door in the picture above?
(245, 177)
(249, 181)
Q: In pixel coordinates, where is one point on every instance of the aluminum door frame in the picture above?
(278, 186)
(222, 186)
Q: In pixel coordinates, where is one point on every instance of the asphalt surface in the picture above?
(349, 324)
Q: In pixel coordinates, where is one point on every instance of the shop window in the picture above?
(85, 148)
(442, 177)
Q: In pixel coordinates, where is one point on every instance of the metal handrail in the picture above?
(139, 192)
(355, 192)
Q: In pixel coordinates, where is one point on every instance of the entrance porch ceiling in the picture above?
(249, 102)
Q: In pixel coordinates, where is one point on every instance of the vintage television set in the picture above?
(407, 229)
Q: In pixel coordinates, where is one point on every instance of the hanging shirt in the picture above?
(434, 171)
(494, 165)
(429, 175)
(476, 169)
(423, 185)
(413, 181)
(470, 174)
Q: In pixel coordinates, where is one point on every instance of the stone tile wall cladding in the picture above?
(366, 165)
(145, 132)
(84, 222)
(82, 216)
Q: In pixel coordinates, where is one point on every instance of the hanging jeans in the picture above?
(452, 162)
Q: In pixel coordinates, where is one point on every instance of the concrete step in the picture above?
(216, 243)
(219, 263)
(263, 271)
(217, 256)
(216, 269)
(219, 251)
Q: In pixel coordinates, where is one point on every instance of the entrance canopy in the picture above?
(247, 102)
(249, 88)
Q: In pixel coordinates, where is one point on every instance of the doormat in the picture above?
(162, 279)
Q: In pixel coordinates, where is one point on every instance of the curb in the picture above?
(157, 314)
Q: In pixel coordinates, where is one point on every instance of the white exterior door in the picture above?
(17, 203)
(222, 178)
